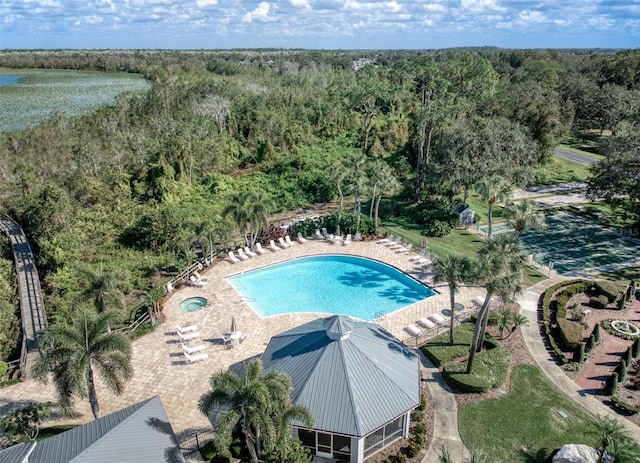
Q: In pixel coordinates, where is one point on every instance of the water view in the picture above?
(32, 96)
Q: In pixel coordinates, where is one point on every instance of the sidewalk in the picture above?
(547, 363)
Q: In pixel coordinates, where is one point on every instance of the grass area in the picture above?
(605, 214)
(624, 275)
(560, 170)
(524, 422)
(490, 367)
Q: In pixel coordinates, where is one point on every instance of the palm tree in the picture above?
(152, 299)
(523, 216)
(284, 438)
(615, 441)
(337, 174)
(454, 269)
(491, 190)
(256, 402)
(385, 183)
(250, 211)
(101, 288)
(74, 349)
(500, 268)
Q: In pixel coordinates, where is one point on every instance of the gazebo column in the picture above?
(405, 428)
(357, 450)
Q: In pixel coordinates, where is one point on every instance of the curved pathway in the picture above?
(547, 363)
(34, 318)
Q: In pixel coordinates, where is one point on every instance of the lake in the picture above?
(28, 97)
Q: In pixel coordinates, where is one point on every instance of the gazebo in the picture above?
(358, 380)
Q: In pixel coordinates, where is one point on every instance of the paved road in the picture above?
(575, 157)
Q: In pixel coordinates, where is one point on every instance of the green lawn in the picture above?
(459, 240)
(530, 418)
(560, 170)
(582, 152)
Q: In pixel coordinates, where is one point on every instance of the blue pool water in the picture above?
(193, 304)
(344, 285)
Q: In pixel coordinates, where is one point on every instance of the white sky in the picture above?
(320, 24)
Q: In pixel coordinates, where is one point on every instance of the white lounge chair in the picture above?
(186, 328)
(188, 336)
(358, 236)
(249, 252)
(233, 258)
(437, 318)
(287, 240)
(301, 239)
(192, 350)
(394, 243)
(347, 240)
(196, 357)
(197, 281)
(324, 232)
(405, 248)
(413, 330)
(272, 246)
(242, 255)
(169, 287)
(260, 249)
(416, 257)
(385, 240)
(337, 239)
(428, 324)
(317, 235)
(282, 243)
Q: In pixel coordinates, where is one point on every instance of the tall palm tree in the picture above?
(152, 298)
(493, 189)
(524, 216)
(454, 269)
(249, 210)
(385, 183)
(284, 438)
(255, 402)
(77, 349)
(500, 269)
(337, 174)
(100, 287)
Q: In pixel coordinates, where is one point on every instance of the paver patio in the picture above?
(159, 366)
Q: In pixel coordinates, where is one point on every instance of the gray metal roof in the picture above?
(17, 453)
(135, 434)
(354, 376)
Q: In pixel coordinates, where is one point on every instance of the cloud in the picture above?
(88, 20)
(480, 6)
(260, 14)
(302, 4)
(206, 3)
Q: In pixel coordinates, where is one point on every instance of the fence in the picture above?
(196, 442)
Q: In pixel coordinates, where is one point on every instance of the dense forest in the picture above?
(129, 189)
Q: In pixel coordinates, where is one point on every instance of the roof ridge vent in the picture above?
(338, 327)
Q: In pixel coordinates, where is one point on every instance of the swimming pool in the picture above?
(336, 284)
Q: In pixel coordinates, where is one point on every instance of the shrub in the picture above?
(591, 343)
(420, 428)
(596, 333)
(620, 403)
(418, 439)
(599, 302)
(635, 348)
(621, 369)
(580, 354)
(612, 384)
(610, 289)
(3, 368)
(423, 403)
(572, 366)
(437, 229)
(628, 356)
(417, 416)
(570, 333)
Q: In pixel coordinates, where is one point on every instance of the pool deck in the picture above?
(159, 366)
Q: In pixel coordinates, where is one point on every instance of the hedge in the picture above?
(624, 405)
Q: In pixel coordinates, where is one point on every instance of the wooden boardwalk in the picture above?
(34, 318)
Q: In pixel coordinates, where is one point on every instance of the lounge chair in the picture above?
(347, 240)
(317, 235)
(405, 248)
(324, 232)
(287, 239)
(188, 336)
(233, 258)
(272, 246)
(437, 318)
(169, 287)
(243, 338)
(301, 239)
(385, 240)
(249, 252)
(198, 276)
(479, 300)
(196, 357)
(358, 236)
(242, 255)
(428, 324)
(417, 257)
(337, 239)
(197, 281)
(283, 245)
(394, 243)
(192, 350)
(186, 328)
(413, 330)
(260, 249)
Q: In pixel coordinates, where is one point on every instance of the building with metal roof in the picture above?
(139, 433)
(358, 380)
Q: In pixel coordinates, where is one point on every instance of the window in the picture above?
(383, 436)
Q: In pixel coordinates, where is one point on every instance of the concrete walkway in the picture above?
(548, 364)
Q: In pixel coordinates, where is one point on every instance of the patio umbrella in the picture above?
(234, 325)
